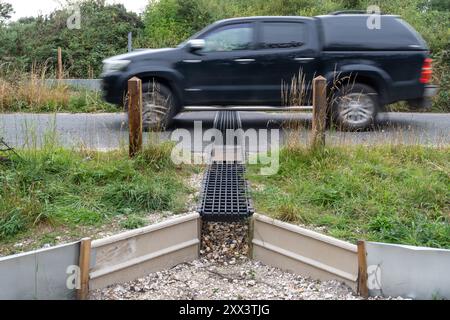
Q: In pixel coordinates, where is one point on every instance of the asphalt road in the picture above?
(109, 131)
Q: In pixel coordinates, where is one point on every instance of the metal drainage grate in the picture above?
(225, 193)
(227, 120)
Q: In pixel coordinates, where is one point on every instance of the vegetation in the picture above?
(394, 194)
(55, 189)
(5, 11)
(103, 33)
(169, 22)
(29, 93)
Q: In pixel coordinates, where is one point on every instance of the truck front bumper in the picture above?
(113, 88)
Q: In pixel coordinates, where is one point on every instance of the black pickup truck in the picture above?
(248, 62)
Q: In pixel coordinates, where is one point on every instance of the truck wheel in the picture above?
(355, 107)
(158, 106)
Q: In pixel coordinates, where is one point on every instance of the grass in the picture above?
(54, 189)
(394, 194)
(27, 92)
(133, 222)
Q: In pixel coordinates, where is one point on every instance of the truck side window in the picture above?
(229, 38)
(283, 35)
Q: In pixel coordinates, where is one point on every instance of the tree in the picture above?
(169, 22)
(103, 33)
(441, 5)
(6, 11)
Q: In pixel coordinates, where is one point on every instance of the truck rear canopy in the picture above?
(351, 32)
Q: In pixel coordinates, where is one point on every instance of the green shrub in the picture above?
(103, 33)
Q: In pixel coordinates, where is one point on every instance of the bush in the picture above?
(169, 22)
(103, 33)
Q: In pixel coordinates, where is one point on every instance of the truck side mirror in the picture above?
(196, 44)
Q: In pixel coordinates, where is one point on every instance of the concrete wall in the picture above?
(393, 270)
(131, 255)
(304, 252)
(89, 84)
(39, 275)
(409, 272)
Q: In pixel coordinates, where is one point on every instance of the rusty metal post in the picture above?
(319, 112)
(135, 115)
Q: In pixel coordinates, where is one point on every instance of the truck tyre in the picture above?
(355, 107)
(158, 106)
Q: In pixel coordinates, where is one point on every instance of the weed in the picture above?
(133, 222)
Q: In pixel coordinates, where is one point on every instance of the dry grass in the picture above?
(31, 95)
(28, 92)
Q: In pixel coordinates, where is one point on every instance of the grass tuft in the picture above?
(133, 222)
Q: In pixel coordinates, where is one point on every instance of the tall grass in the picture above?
(29, 92)
(299, 92)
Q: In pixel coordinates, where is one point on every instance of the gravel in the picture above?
(245, 280)
(194, 183)
(224, 243)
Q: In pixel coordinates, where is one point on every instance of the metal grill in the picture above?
(227, 120)
(225, 191)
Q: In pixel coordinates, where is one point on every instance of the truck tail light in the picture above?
(427, 71)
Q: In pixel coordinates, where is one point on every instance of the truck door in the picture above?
(222, 72)
(286, 53)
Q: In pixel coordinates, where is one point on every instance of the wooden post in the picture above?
(199, 234)
(84, 264)
(135, 115)
(363, 289)
(251, 235)
(319, 112)
(60, 64)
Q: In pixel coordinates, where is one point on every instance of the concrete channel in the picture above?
(225, 198)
